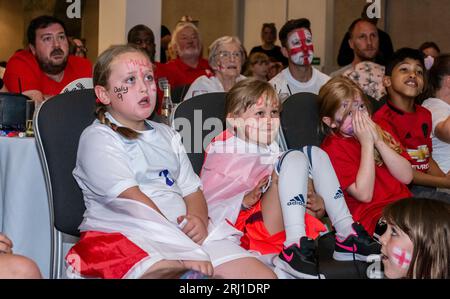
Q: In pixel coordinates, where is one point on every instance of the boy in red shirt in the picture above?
(411, 123)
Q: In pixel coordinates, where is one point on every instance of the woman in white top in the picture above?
(439, 105)
(226, 57)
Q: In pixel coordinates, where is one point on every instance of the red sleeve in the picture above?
(345, 163)
(21, 67)
(87, 69)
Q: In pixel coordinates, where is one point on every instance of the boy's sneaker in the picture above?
(357, 246)
(298, 261)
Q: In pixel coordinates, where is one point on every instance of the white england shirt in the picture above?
(108, 164)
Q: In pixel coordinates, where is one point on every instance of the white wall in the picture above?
(116, 17)
(147, 12)
(111, 25)
(258, 12)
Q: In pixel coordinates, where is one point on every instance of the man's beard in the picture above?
(189, 53)
(48, 67)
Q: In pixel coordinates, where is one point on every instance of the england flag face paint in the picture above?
(396, 252)
(401, 257)
(300, 46)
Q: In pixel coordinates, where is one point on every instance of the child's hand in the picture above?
(204, 267)
(194, 228)
(255, 195)
(372, 127)
(361, 129)
(5, 244)
(315, 203)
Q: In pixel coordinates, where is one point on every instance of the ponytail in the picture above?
(124, 131)
(390, 141)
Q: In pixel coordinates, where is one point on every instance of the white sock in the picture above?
(292, 187)
(327, 185)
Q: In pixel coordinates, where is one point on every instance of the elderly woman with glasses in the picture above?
(226, 57)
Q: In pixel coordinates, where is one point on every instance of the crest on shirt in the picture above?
(420, 154)
(169, 180)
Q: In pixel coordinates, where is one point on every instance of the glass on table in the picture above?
(29, 128)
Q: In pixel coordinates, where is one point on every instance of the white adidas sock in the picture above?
(292, 188)
(327, 185)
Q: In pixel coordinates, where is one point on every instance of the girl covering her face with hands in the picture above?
(372, 168)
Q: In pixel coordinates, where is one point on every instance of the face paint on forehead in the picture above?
(141, 64)
(401, 257)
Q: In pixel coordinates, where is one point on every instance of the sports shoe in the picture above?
(298, 260)
(357, 246)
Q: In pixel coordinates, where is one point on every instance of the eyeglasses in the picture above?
(227, 55)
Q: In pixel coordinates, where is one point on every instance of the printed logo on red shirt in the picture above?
(420, 157)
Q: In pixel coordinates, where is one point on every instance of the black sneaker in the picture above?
(298, 260)
(357, 246)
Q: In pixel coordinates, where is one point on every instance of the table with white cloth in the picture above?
(24, 209)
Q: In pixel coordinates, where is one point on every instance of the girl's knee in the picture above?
(315, 155)
(16, 266)
(244, 268)
(293, 158)
(165, 269)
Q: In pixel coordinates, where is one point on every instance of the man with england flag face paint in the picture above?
(297, 45)
(301, 47)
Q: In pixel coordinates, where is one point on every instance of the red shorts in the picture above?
(256, 236)
(104, 255)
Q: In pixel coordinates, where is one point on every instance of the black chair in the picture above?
(58, 125)
(198, 120)
(300, 120)
(178, 93)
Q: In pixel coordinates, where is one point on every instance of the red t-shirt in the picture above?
(413, 130)
(178, 74)
(23, 66)
(345, 156)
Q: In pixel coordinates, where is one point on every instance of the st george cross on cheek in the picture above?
(301, 48)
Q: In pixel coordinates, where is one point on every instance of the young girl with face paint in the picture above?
(265, 194)
(146, 215)
(416, 243)
(372, 167)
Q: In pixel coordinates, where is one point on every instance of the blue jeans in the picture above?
(429, 192)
